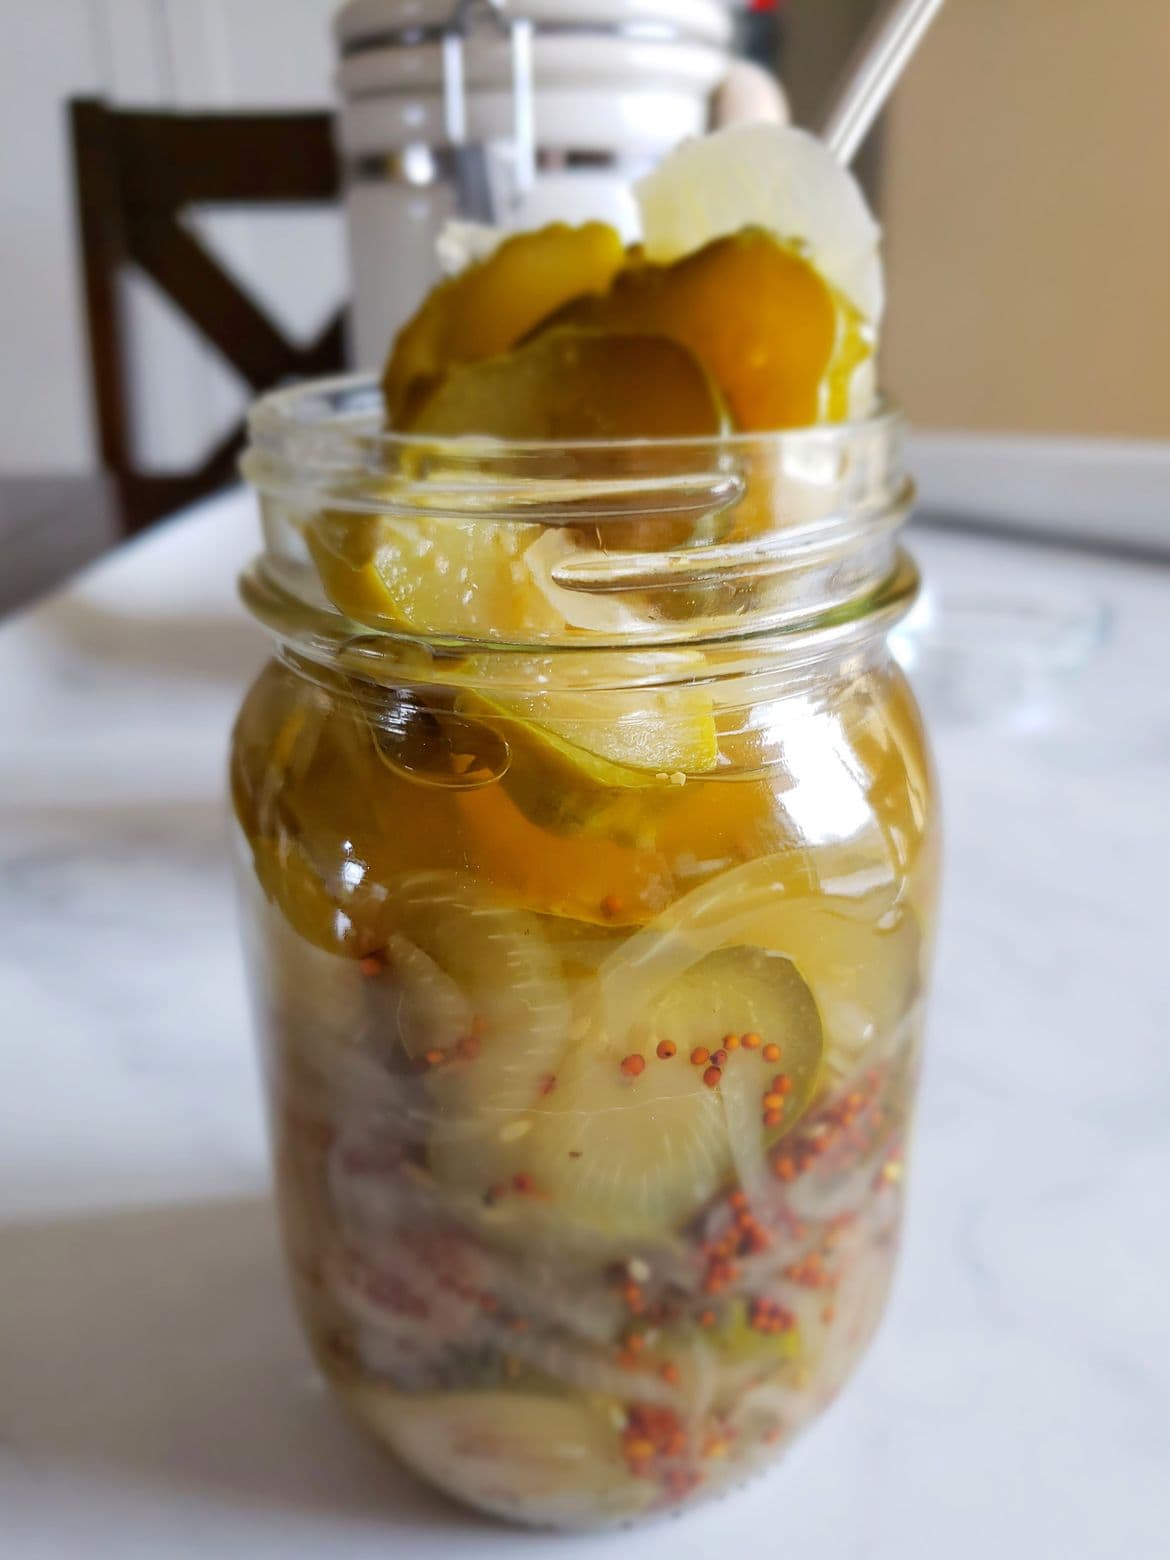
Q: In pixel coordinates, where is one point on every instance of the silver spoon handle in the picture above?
(873, 73)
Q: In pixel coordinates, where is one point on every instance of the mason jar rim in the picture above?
(280, 416)
(786, 539)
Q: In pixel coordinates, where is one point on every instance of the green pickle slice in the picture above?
(471, 991)
(586, 761)
(439, 575)
(405, 573)
(491, 304)
(577, 384)
(859, 947)
(630, 1143)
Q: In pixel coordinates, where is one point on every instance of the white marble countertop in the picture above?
(155, 1399)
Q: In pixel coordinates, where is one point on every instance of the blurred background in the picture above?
(1028, 230)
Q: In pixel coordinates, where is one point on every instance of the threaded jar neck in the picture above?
(782, 545)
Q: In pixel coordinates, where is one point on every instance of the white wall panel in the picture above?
(225, 54)
(190, 54)
(166, 367)
(267, 53)
(137, 65)
(51, 48)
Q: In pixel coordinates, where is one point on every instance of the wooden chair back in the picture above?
(136, 175)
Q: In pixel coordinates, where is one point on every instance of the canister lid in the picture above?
(382, 23)
(617, 64)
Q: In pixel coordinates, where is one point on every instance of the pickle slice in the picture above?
(776, 338)
(497, 577)
(702, 829)
(492, 304)
(600, 761)
(321, 811)
(562, 787)
(275, 739)
(339, 923)
(776, 177)
(857, 946)
(547, 1459)
(576, 384)
(471, 990)
(634, 731)
(638, 1156)
(437, 576)
(587, 877)
(484, 579)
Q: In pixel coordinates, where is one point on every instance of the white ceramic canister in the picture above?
(615, 84)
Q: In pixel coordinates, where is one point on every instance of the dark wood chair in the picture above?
(136, 174)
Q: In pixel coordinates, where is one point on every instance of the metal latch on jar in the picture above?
(476, 180)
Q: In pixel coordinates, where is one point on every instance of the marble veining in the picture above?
(155, 1399)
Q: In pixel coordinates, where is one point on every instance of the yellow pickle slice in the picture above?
(488, 307)
(778, 341)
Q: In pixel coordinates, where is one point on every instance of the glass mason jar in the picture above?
(589, 860)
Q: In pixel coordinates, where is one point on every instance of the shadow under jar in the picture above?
(589, 864)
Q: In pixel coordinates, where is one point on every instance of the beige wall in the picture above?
(1026, 195)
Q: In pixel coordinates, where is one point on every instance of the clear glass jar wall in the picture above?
(588, 944)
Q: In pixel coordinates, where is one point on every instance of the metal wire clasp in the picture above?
(477, 196)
